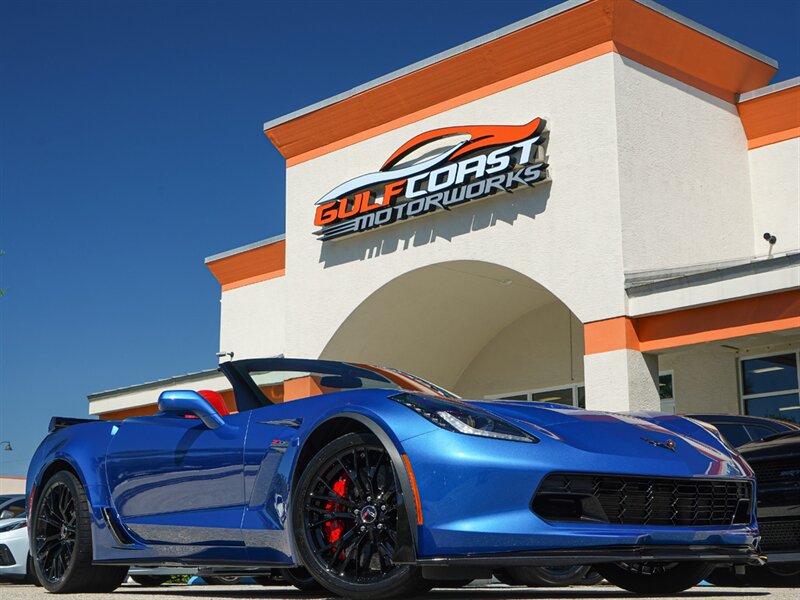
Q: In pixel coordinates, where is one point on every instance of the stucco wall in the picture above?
(541, 349)
(775, 184)
(683, 169)
(253, 319)
(565, 235)
(704, 379)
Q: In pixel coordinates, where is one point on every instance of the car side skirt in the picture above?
(737, 555)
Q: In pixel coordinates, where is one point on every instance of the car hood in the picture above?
(673, 439)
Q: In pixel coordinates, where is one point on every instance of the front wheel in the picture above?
(300, 578)
(150, 580)
(551, 576)
(655, 578)
(345, 521)
(62, 540)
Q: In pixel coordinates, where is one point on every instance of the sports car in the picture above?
(381, 484)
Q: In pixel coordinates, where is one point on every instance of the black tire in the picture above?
(221, 579)
(655, 579)
(331, 528)
(300, 578)
(30, 572)
(150, 580)
(552, 576)
(724, 577)
(451, 583)
(62, 540)
(781, 575)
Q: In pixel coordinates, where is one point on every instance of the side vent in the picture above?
(115, 527)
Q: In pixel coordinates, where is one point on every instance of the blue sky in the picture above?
(131, 148)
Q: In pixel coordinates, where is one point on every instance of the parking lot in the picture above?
(486, 592)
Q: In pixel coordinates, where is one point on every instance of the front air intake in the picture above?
(631, 500)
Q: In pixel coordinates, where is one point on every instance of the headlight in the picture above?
(6, 527)
(460, 417)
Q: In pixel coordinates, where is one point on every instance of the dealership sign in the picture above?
(478, 162)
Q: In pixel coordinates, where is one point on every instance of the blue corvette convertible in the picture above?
(380, 484)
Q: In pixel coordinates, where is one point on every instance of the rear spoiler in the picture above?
(61, 422)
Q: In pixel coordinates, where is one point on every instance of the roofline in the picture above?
(156, 383)
(246, 248)
(770, 89)
(503, 31)
(709, 32)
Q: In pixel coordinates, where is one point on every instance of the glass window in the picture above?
(759, 432)
(516, 397)
(735, 433)
(769, 374)
(781, 406)
(665, 386)
(770, 387)
(581, 396)
(665, 392)
(563, 396)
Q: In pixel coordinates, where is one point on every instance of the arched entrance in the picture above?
(477, 328)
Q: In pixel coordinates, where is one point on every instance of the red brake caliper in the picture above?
(334, 528)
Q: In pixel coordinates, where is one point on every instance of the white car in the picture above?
(14, 561)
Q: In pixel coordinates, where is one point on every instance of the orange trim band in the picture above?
(568, 38)
(773, 138)
(252, 266)
(748, 316)
(772, 118)
(466, 98)
(413, 479)
(608, 335)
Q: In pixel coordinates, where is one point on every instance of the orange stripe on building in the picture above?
(771, 118)
(748, 316)
(568, 38)
(251, 266)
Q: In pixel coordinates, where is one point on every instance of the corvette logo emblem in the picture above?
(436, 170)
(668, 445)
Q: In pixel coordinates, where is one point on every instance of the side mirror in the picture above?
(6, 514)
(185, 402)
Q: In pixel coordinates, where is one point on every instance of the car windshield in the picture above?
(273, 381)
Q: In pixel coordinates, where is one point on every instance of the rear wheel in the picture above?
(782, 575)
(655, 578)
(221, 579)
(345, 521)
(300, 578)
(62, 540)
(150, 580)
(552, 576)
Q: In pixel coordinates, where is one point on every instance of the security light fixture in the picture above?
(770, 238)
(223, 354)
(7, 446)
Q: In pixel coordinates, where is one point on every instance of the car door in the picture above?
(174, 481)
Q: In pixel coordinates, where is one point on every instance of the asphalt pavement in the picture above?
(487, 592)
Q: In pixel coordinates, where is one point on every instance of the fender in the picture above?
(407, 526)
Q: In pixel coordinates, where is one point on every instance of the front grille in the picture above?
(6, 558)
(629, 500)
(780, 472)
(780, 535)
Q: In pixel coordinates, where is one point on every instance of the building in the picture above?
(637, 247)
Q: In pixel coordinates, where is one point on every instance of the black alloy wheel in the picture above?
(345, 520)
(56, 532)
(62, 540)
(655, 578)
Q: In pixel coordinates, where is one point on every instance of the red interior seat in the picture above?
(216, 400)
